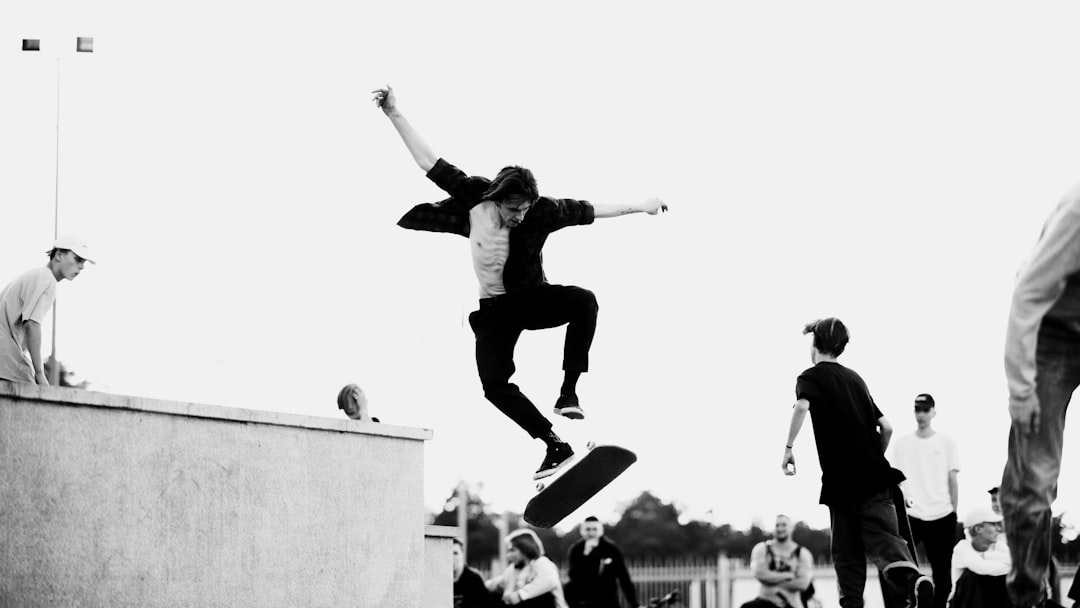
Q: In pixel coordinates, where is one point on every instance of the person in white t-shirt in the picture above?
(980, 562)
(24, 304)
(930, 462)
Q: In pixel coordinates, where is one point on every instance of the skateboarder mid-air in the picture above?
(507, 222)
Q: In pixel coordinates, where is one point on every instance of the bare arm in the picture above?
(954, 489)
(803, 573)
(760, 567)
(652, 206)
(798, 415)
(421, 152)
(33, 344)
(885, 430)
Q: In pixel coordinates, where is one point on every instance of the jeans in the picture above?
(498, 325)
(938, 538)
(869, 529)
(1029, 483)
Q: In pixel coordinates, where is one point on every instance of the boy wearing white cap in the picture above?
(26, 301)
(980, 562)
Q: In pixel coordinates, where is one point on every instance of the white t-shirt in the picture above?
(926, 463)
(27, 298)
(995, 561)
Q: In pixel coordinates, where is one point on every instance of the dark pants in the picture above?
(938, 538)
(868, 529)
(498, 325)
(893, 597)
(1029, 483)
(977, 591)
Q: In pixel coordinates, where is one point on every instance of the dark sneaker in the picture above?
(568, 406)
(922, 593)
(557, 457)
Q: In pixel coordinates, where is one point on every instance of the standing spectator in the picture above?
(980, 562)
(995, 499)
(851, 435)
(26, 301)
(469, 589)
(531, 580)
(930, 462)
(1042, 366)
(783, 567)
(596, 570)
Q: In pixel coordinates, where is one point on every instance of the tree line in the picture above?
(650, 529)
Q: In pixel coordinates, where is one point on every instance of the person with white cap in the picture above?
(980, 562)
(26, 301)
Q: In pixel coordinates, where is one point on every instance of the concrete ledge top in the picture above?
(441, 531)
(85, 398)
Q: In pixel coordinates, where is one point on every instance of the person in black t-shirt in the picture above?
(851, 435)
(469, 589)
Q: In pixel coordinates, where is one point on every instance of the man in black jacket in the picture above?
(596, 565)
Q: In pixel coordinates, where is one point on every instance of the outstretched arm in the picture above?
(421, 152)
(652, 206)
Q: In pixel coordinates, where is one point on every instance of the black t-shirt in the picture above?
(845, 417)
(469, 590)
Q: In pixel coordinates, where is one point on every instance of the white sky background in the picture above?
(891, 166)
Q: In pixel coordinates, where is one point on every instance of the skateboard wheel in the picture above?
(539, 486)
(590, 445)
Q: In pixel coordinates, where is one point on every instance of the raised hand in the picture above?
(384, 98)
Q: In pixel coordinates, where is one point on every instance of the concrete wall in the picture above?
(108, 500)
(438, 570)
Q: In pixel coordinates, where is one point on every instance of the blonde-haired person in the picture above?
(531, 579)
(352, 400)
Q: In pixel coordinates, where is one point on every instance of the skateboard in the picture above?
(578, 483)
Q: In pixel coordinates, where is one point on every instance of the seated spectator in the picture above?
(531, 580)
(469, 589)
(783, 568)
(354, 402)
(980, 563)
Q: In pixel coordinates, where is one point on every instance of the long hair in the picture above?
(513, 182)
(527, 542)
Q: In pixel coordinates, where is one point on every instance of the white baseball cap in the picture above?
(981, 515)
(76, 244)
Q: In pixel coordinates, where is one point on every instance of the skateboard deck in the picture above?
(577, 484)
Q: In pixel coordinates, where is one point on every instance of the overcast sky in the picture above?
(889, 165)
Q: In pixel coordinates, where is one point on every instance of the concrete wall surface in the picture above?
(438, 570)
(114, 501)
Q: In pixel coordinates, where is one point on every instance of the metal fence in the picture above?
(726, 583)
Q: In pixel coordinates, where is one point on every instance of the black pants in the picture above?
(498, 325)
(976, 591)
(938, 538)
(868, 529)
(895, 597)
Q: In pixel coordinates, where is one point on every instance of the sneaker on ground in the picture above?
(922, 593)
(558, 455)
(568, 406)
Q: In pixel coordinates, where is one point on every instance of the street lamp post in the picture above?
(83, 44)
